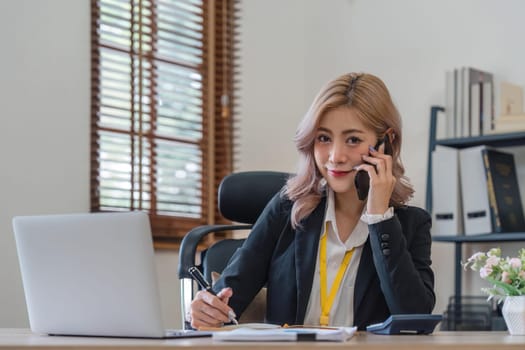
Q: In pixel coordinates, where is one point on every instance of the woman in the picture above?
(327, 257)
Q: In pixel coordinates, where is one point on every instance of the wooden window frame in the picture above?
(218, 108)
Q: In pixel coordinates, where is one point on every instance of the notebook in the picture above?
(91, 275)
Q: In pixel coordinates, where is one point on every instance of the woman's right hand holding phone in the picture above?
(382, 180)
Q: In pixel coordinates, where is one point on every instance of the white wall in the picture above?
(273, 82)
(44, 94)
(289, 48)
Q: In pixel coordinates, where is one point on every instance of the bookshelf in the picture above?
(495, 140)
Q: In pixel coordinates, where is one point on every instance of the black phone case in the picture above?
(361, 179)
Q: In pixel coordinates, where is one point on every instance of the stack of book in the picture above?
(475, 191)
(511, 117)
(469, 102)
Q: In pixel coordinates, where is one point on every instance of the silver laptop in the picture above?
(91, 274)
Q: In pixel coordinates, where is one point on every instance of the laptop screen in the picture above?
(89, 274)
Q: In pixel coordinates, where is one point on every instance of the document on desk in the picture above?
(337, 334)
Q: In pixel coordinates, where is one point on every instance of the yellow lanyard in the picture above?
(326, 303)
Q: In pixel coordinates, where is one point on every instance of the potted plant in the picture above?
(507, 279)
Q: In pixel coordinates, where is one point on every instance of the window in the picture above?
(162, 109)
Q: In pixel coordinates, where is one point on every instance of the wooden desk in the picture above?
(24, 339)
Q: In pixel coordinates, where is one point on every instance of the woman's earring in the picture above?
(322, 183)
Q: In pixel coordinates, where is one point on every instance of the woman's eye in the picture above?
(323, 138)
(353, 140)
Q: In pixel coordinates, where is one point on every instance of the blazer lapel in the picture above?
(307, 242)
(365, 272)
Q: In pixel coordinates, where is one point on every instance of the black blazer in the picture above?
(394, 274)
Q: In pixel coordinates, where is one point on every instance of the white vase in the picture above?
(514, 314)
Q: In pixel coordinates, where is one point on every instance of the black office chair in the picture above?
(241, 198)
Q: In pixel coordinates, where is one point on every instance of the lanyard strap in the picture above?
(327, 302)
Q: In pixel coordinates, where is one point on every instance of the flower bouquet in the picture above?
(507, 276)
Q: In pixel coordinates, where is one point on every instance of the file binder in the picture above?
(503, 191)
(476, 209)
(446, 192)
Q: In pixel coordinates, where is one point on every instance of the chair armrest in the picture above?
(188, 246)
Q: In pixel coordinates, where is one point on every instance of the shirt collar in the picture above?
(360, 233)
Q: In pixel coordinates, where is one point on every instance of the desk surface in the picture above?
(24, 339)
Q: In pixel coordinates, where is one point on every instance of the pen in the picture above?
(197, 275)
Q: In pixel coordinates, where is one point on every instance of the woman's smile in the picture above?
(338, 173)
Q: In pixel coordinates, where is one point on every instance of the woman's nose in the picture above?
(337, 154)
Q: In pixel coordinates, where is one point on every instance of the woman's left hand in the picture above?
(382, 181)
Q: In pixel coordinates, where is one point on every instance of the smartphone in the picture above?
(362, 180)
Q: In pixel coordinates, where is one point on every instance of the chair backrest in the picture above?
(242, 196)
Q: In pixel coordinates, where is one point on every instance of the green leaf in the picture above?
(507, 288)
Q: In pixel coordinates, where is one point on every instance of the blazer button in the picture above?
(385, 237)
(384, 245)
(386, 251)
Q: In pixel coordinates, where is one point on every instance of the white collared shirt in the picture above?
(342, 312)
